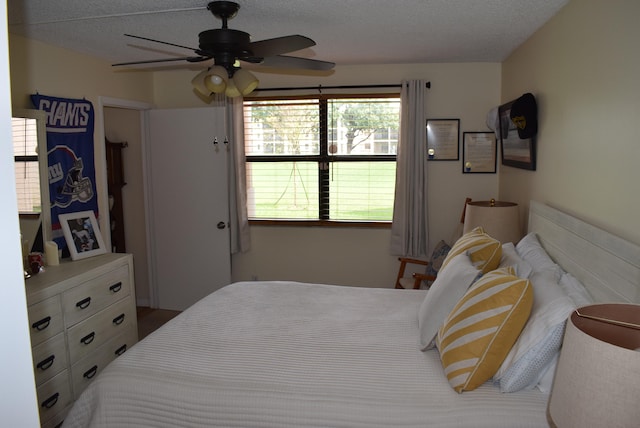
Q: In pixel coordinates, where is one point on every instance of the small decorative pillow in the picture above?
(483, 250)
(482, 327)
(437, 257)
(449, 286)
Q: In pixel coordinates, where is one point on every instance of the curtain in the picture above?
(238, 217)
(409, 231)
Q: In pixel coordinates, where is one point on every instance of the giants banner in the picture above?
(72, 186)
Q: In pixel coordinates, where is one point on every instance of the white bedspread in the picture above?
(285, 354)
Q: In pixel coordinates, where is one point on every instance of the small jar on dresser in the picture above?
(82, 315)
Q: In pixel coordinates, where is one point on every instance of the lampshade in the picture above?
(245, 81)
(501, 220)
(598, 374)
(216, 79)
(212, 80)
(232, 90)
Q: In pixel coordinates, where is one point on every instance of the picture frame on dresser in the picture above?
(82, 234)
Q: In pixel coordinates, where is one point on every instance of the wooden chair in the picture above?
(416, 278)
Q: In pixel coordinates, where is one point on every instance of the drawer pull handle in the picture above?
(116, 287)
(119, 319)
(51, 401)
(84, 303)
(46, 363)
(121, 350)
(88, 338)
(91, 372)
(42, 324)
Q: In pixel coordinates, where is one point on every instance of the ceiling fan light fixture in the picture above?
(232, 90)
(216, 79)
(199, 85)
(245, 81)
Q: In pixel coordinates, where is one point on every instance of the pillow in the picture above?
(482, 327)
(542, 335)
(449, 286)
(437, 257)
(483, 250)
(530, 250)
(511, 258)
(581, 297)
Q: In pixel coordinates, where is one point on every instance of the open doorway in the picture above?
(123, 124)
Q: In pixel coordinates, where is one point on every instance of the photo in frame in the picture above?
(479, 153)
(82, 234)
(516, 152)
(443, 139)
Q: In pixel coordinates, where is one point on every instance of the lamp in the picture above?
(596, 382)
(500, 220)
(216, 80)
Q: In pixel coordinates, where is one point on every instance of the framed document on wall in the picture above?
(479, 153)
(443, 139)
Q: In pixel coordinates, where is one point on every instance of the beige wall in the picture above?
(583, 67)
(344, 255)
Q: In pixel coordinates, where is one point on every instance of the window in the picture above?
(25, 151)
(322, 158)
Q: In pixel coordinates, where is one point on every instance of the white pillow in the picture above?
(511, 258)
(580, 297)
(452, 282)
(575, 290)
(541, 337)
(529, 249)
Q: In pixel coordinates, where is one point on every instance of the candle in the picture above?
(51, 253)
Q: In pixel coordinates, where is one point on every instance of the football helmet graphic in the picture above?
(66, 182)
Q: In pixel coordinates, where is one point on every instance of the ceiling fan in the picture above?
(227, 47)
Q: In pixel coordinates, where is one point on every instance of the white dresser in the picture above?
(82, 315)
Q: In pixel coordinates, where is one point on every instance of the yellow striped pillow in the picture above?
(482, 327)
(484, 251)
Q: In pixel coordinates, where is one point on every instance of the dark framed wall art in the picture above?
(516, 152)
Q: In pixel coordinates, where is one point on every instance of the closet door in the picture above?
(188, 204)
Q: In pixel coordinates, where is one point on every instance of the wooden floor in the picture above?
(150, 320)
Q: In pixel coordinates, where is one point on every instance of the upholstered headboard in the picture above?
(607, 265)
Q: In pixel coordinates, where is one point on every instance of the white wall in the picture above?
(18, 405)
(583, 66)
(352, 255)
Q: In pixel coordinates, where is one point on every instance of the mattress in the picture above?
(287, 354)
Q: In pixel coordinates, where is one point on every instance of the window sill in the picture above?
(322, 223)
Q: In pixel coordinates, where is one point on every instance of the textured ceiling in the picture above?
(346, 31)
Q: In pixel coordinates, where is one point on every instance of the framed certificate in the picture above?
(443, 139)
(479, 153)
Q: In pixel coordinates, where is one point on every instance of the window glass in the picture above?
(27, 173)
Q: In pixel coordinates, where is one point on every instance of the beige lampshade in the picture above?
(216, 79)
(597, 382)
(501, 220)
(198, 83)
(232, 90)
(245, 81)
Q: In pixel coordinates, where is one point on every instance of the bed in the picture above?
(287, 354)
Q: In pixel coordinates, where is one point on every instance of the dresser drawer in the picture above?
(54, 395)
(45, 320)
(96, 294)
(93, 332)
(49, 358)
(85, 371)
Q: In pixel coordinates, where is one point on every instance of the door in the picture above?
(189, 204)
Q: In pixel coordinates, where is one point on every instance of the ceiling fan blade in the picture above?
(152, 61)
(282, 61)
(280, 45)
(159, 41)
